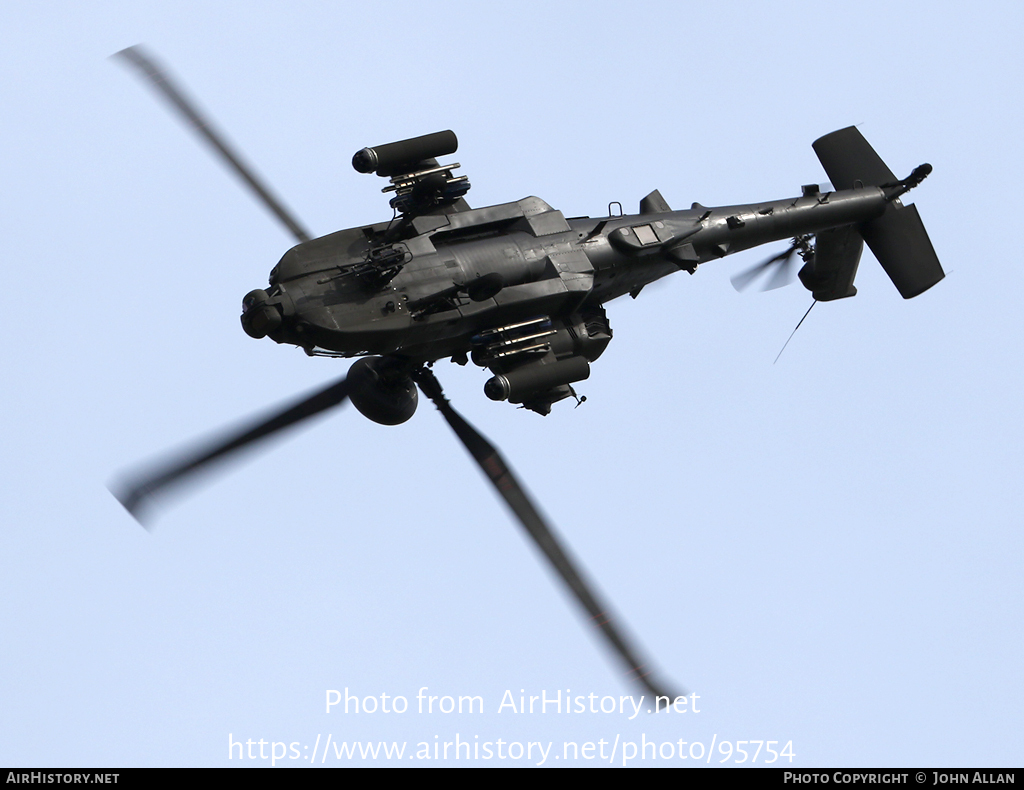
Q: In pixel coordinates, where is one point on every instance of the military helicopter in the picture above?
(519, 289)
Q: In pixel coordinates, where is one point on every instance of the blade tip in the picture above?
(133, 500)
(664, 693)
(128, 53)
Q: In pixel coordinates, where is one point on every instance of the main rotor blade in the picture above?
(162, 82)
(136, 495)
(501, 477)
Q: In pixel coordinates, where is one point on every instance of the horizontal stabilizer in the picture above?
(901, 244)
(847, 158)
(897, 238)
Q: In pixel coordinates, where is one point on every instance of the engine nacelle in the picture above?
(534, 362)
(532, 378)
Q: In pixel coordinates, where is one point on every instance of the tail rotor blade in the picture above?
(783, 274)
(783, 263)
(189, 111)
(743, 280)
(509, 488)
(135, 495)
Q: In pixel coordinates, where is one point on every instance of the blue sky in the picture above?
(826, 550)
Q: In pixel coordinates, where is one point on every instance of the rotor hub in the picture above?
(382, 391)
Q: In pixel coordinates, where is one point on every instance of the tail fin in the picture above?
(897, 238)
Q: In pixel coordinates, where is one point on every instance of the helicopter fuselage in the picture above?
(428, 291)
(521, 290)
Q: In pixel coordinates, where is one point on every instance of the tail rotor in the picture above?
(782, 263)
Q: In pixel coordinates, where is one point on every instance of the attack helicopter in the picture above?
(520, 290)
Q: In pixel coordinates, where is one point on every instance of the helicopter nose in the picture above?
(260, 316)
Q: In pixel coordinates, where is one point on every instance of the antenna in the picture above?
(795, 328)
